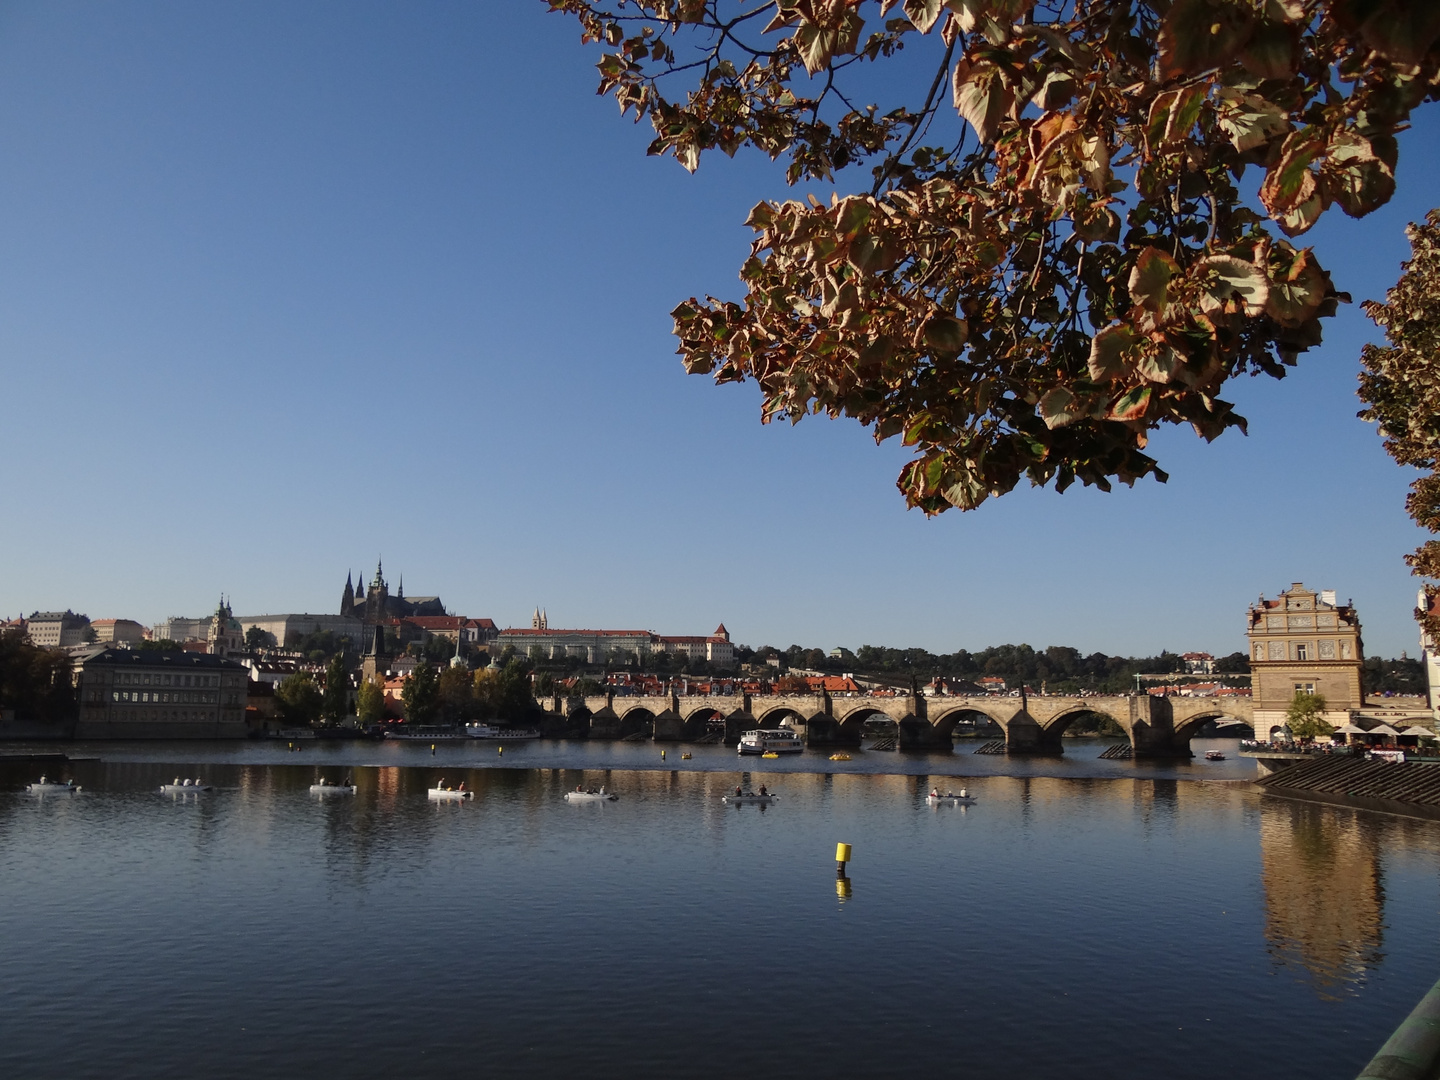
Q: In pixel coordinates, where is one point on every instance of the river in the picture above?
(1101, 925)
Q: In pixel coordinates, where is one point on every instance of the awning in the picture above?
(1416, 729)
(1383, 729)
(1350, 729)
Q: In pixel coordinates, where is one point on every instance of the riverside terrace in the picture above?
(1158, 727)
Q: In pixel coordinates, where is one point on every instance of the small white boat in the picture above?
(951, 798)
(46, 786)
(327, 788)
(767, 742)
(591, 796)
(184, 787)
(749, 798)
(441, 793)
(487, 731)
(1214, 755)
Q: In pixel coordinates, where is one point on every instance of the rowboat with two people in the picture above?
(950, 798)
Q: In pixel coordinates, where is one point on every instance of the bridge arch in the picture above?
(1185, 729)
(697, 721)
(635, 719)
(947, 721)
(778, 715)
(851, 726)
(1058, 724)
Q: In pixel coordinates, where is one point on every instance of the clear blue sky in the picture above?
(285, 287)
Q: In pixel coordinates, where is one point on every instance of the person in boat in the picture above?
(738, 792)
(763, 792)
(935, 793)
(462, 786)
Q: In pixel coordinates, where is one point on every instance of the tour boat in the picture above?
(184, 787)
(950, 798)
(53, 787)
(749, 798)
(441, 793)
(767, 741)
(324, 787)
(1214, 755)
(591, 796)
(426, 734)
(488, 731)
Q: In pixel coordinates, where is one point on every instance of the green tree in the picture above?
(158, 645)
(421, 695)
(299, 699)
(257, 639)
(35, 681)
(1305, 716)
(1057, 257)
(370, 702)
(456, 694)
(336, 706)
(504, 692)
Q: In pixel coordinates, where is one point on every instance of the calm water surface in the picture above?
(1101, 927)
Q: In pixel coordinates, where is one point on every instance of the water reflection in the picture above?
(1324, 891)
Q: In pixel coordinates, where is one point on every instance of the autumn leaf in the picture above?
(1150, 279)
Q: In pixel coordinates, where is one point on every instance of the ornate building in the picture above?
(1304, 642)
(375, 604)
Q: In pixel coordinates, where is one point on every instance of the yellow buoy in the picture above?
(662, 755)
(842, 854)
(501, 749)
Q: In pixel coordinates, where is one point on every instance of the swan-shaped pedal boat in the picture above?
(46, 786)
(324, 787)
(591, 796)
(951, 798)
(184, 787)
(441, 793)
(749, 798)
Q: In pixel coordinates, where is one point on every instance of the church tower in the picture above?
(347, 602)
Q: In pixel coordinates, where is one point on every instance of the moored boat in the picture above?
(425, 734)
(489, 731)
(46, 786)
(184, 787)
(590, 795)
(1214, 755)
(770, 742)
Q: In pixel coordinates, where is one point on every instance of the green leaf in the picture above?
(1150, 280)
(1132, 405)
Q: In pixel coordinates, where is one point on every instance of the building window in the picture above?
(1304, 688)
(1302, 650)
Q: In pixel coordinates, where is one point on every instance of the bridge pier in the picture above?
(1023, 735)
(915, 733)
(1152, 731)
(669, 727)
(605, 724)
(737, 723)
(823, 730)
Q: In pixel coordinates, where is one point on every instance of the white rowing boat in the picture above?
(591, 796)
(46, 786)
(749, 798)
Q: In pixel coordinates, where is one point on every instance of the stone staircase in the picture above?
(1410, 782)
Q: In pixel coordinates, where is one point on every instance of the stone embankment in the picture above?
(1411, 788)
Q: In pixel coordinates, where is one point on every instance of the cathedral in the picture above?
(376, 605)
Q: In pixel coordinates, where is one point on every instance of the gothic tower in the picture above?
(347, 602)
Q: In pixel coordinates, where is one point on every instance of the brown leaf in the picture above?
(1150, 279)
(1197, 35)
(982, 97)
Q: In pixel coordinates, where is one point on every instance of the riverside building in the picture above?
(143, 694)
(1304, 642)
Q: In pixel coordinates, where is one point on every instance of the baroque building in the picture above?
(1304, 642)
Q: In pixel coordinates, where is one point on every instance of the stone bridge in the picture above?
(1156, 726)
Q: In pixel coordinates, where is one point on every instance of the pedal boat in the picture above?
(441, 793)
(46, 786)
(749, 798)
(184, 787)
(951, 798)
(325, 788)
(1214, 755)
(590, 796)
